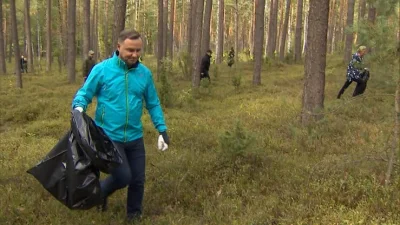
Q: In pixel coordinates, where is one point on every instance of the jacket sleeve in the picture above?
(153, 105)
(89, 89)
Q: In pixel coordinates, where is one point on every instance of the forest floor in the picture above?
(279, 172)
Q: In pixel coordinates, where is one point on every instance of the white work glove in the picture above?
(162, 145)
(80, 109)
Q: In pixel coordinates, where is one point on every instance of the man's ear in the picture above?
(118, 46)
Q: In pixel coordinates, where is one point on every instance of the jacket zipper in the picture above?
(102, 117)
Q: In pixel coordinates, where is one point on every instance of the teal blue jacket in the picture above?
(120, 94)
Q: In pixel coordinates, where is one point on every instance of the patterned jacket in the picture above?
(355, 68)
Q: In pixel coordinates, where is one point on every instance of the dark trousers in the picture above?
(131, 172)
(205, 75)
(360, 88)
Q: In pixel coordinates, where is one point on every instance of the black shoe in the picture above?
(103, 207)
(133, 217)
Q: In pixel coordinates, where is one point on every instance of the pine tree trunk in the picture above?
(205, 45)
(272, 33)
(371, 14)
(165, 27)
(350, 35)
(86, 28)
(315, 62)
(48, 36)
(15, 39)
(105, 28)
(171, 30)
(96, 30)
(258, 40)
(220, 30)
(3, 69)
(28, 35)
(189, 26)
(71, 46)
(236, 30)
(331, 26)
(196, 51)
(305, 30)
(160, 41)
(119, 21)
(284, 32)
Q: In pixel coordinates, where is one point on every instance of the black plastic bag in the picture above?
(94, 142)
(68, 175)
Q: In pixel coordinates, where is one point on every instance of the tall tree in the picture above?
(2, 43)
(160, 41)
(105, 28)
(165, 27)
(284, 32)
(48, 36)
(95, 37)
(220, 31)
(206, 27)
(196, 54)
(349, 35)
(14, 30)
(272, 33)
(299, 30)
(315, 62)
(71, 46)
(258, 40)
(236, 30)
(86, 28)
(191, 12)
(331, 26)
(171, 30)
(371, 13)
(119, 21)
(28, 34)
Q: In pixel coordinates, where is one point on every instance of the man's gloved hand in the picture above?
(163, 141)
(80, 109)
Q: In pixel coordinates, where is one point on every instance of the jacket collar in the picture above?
(121, 62)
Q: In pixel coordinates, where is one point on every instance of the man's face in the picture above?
(91, 56)
(130, 50)
(363, 52)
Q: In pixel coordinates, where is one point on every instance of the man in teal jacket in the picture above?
(121, 84)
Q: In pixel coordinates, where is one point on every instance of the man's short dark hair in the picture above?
(128, 34)
(209, 51)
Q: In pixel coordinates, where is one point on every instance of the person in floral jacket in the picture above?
(356, 72)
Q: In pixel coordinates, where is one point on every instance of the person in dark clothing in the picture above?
(356, 72)
(23, 64)
(231, 57)
(205, 65)
(88, 65)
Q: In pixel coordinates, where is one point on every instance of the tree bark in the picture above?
(28, 34)
(284, 32)
(272, 33)
(86, 28)
(196, 53)
(236, 30)
(258, 40)
(3, 69)
(95, 46)
(160, 41)
(71, 54)
(105, 28)
(371, 14)
(220, 30)
(119, 21)
(165, 27)
(331, 26)
(48, 37)
(349, 35)
(14, 30)
(205, 45)
(315, 62)
(189, 25)
(171, 30)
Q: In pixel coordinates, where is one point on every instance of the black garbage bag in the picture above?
(68, 175)
(71, 170)
(94, 142)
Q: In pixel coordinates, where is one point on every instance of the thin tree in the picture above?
(71, 46)
(165, 27)
(272, 33)
(160, 41)
(196, 53)
(14, 30)
(3, 69)
(205, 45)
(189, 25)
(315, 62)
(236, 30)
(220, 32)
(28, 34)
(258, 40)
(86, 28)
(48, 36)
(349, 35)
(171, 30)
(284, 32)
(299, 31)
(119, 21)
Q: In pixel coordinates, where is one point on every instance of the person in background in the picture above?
(231, 57)
(88, 65)
(356, 72)
(122, 84)
(205, 65)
